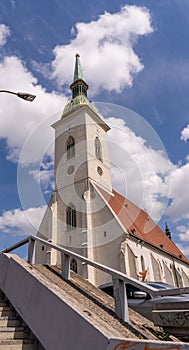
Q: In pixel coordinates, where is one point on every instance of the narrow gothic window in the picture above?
(98, 149)
(142, 263)
(70, 147)
(70, 217)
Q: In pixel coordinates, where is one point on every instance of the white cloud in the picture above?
(179, 208)
(21, 222)
(4, 33)
(185, 133)
(184, 248)
(139, 170)
(183, 232)
(13, 4)
(146, 176)
(107, 48)
(19, 119)
(44, 175)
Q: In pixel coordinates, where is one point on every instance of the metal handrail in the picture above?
(119, 279)
(77, 256)
(16, 245)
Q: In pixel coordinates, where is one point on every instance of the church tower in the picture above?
(81, 158)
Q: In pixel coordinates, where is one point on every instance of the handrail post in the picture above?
(31, 249)
(120, 297)
(65, 266)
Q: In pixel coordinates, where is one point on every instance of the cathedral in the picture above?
(87, 216)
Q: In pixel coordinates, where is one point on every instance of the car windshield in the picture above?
(160, 285)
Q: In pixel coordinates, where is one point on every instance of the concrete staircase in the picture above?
(65, 314)
(14, 334)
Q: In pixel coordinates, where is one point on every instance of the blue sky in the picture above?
(134, 54)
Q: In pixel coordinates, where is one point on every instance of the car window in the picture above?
(108, 290)
(130, 289)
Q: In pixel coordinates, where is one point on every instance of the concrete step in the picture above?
(3, 303)
(7, 333)
(2, 295)
(6, 321)
(14, 334)
(7, 311)
(17, 345)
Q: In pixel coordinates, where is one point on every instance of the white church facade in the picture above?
(87, 216)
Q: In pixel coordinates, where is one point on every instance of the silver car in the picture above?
(143, 302)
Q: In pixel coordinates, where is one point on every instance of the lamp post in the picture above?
(24, 95)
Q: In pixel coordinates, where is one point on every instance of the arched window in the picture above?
(156, 268)
(177, 276)
(73, 265)
(70, 217)
(70, 147)
(168, 274)
(185, 279)
(98, 149)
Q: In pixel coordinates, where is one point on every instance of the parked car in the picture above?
(143, 302)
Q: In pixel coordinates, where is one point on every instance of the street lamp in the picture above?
(24, 95)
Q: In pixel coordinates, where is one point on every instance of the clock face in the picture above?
(70, 170)
(99, 170)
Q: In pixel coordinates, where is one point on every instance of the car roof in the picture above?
(160, 285)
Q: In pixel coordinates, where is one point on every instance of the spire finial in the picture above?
(167, 231)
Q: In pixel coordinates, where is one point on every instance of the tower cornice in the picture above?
(88, 108)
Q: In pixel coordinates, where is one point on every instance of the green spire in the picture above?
(79, 91)
(79, 86)
(78, 73)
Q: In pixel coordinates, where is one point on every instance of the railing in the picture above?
(119, 279)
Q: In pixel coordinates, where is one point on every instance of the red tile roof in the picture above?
(139, 223)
